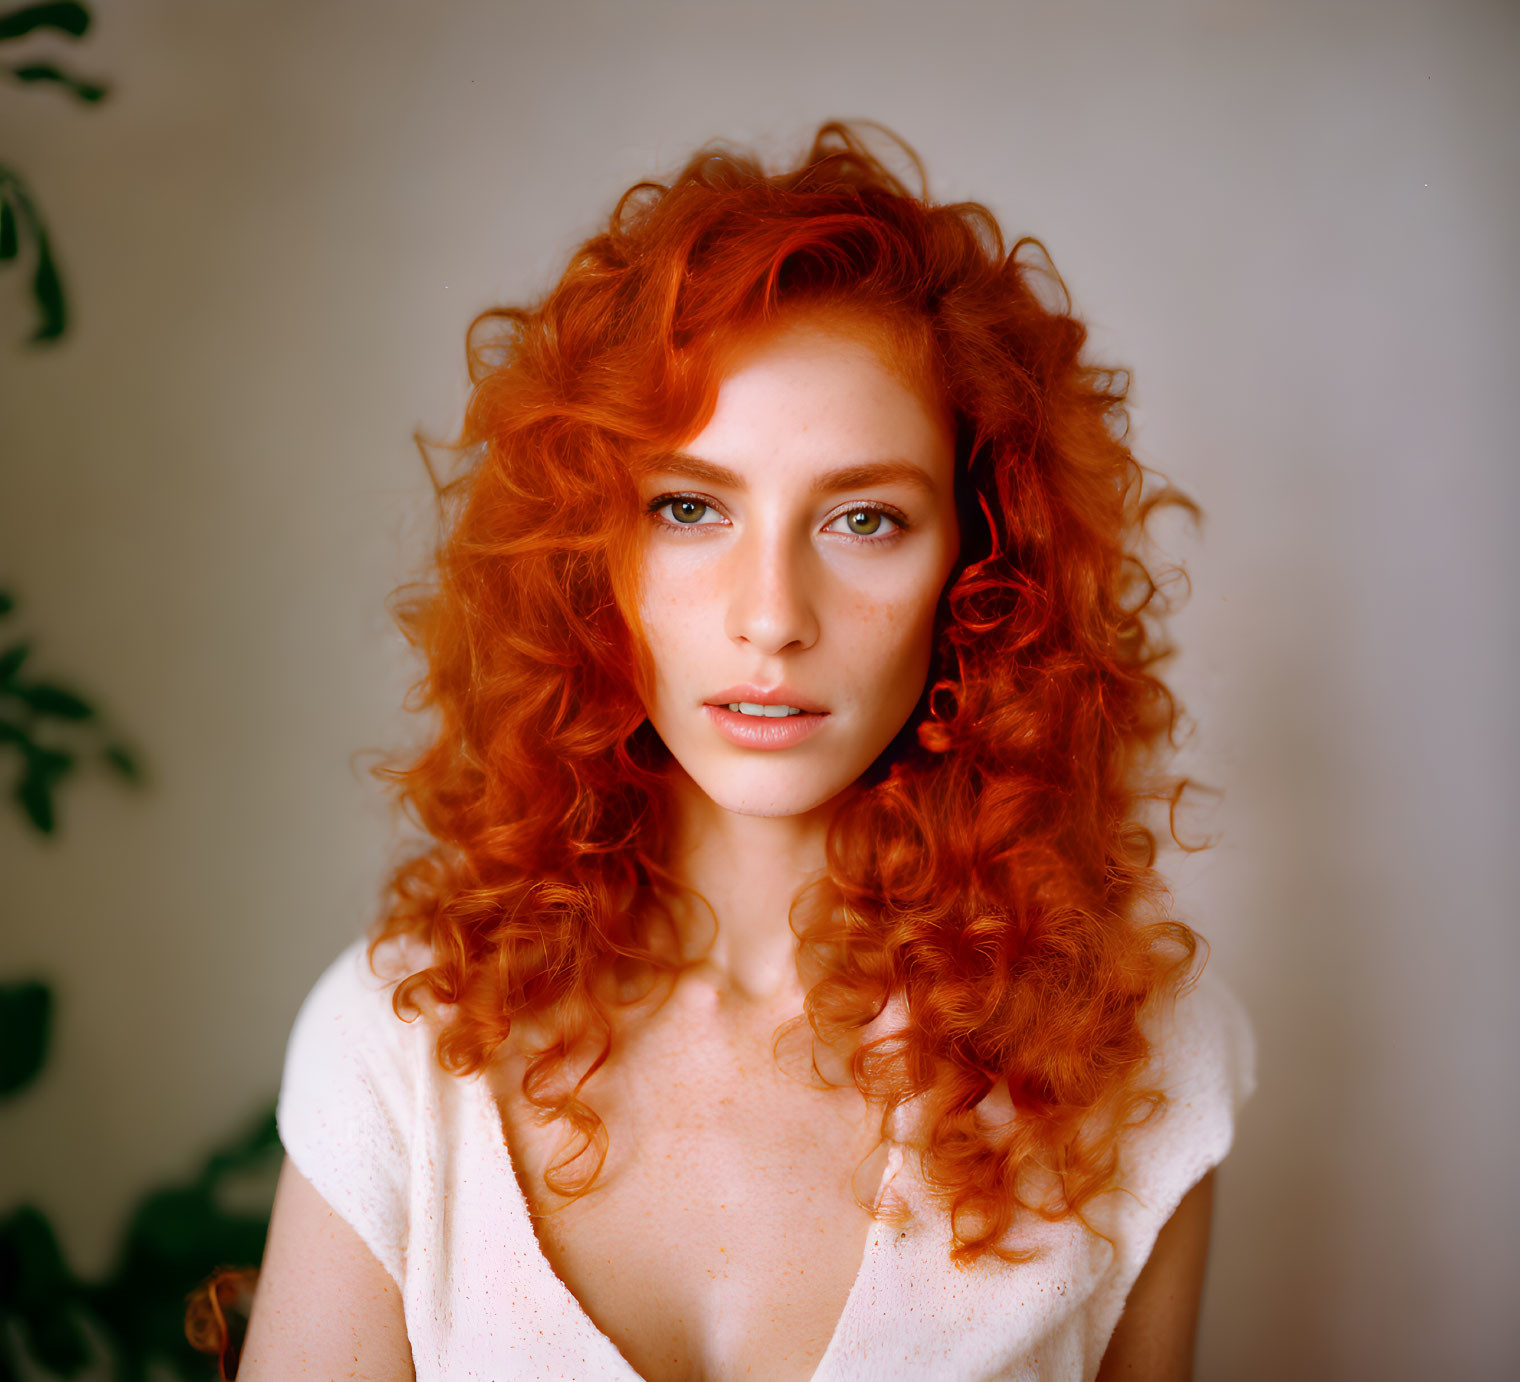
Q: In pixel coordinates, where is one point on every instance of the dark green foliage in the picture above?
(174, 1239)
(69, 18)
(20, 221)
(46, 72)
(51, 1319)
(47, 293)
(33, 714)
(47, 699)
(122, 762)
(24, 223)
(39, 1292)
(26, 1013)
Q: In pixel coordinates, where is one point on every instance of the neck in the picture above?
(750, 868)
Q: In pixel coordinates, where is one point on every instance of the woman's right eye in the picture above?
(685, 512)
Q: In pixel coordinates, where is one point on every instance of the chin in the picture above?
(768, 794)
(772, 807)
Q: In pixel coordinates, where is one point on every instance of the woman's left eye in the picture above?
(869, 521)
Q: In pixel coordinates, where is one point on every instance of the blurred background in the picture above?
(272, 223)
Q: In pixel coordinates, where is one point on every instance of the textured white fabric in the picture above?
(414, 1160)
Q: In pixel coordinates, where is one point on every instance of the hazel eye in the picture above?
(685, 511)
(866, 522)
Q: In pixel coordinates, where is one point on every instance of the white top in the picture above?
(414, 1159)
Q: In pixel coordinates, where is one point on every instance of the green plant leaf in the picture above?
(35, 794)
(261, 1141)
(33, 1265)
(11, 660)
(47, 291)
(7, 603)
(37, 1289)
(123, 762)
(26, 1020)
(176, 1235)
(57, 1339)
(46, 72)
(10, 238)
(52, 763)
(47, 699)
(14, 734)
(69, 18)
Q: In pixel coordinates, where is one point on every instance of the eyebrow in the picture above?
(860, 476)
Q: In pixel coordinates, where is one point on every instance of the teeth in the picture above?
(771, 712)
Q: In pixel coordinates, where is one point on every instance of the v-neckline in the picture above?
(496, 1127)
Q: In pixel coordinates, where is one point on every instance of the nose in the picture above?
(772, 587)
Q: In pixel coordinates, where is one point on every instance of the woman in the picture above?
(790, 991)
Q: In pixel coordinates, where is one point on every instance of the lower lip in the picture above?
(763, 731)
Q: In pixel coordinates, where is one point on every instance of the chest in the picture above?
(723, 1235)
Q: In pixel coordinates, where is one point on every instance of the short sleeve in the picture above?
(1203, 1059)
(345, 1109)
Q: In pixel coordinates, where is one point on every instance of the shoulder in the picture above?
(1203, 1062)
(1203, 1055)
(348, 1022)
(352, 992)
(349, 1092)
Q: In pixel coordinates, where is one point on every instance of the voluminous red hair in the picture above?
(992, 869)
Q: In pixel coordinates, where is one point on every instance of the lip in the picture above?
(754, 695)
(768, 732)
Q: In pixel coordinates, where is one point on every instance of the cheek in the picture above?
(892, 636)
(673, 612)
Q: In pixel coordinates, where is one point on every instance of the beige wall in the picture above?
(1295, 221)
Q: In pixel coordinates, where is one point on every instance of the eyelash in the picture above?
(665, 500)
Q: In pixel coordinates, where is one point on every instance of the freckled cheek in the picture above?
(890, 634)
(680, 619)
(669, 595)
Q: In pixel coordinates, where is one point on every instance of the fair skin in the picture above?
(753, 575)
(755, 572)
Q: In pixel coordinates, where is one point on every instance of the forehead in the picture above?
(900, 345)
(827, 391)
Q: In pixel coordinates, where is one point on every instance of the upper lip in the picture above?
(755, 695)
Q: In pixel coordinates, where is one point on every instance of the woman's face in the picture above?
(796, 550)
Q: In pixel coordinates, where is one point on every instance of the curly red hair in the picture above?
(992, 869)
